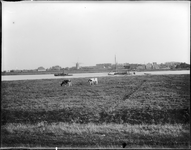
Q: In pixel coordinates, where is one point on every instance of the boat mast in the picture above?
(115, 64)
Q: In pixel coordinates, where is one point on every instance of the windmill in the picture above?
(78, 65)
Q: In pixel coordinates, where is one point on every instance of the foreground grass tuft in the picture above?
(101, 135)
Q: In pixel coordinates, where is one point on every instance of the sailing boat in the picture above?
(114, 72)
(120, 73)
(62, 74)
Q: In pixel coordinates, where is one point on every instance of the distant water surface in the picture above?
(83, 75)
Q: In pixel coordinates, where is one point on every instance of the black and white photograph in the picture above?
(95, 74)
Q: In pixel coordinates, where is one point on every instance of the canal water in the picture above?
(83, 75)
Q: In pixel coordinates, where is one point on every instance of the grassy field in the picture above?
(142, 111)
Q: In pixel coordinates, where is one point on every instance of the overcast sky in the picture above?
(61, 33)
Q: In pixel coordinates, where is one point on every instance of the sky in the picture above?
(46, 34)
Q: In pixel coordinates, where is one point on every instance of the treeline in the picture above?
(183, 66)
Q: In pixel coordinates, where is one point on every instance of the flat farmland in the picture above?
(142, 111)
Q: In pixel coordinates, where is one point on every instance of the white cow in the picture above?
(93, 81)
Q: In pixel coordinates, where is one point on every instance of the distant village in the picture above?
(109, 66)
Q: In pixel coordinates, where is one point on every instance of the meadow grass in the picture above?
(147, 111)
(100, 135)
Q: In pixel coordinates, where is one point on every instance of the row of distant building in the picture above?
(148, 66)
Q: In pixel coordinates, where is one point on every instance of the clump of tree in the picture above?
(183, 66)
(132, 66)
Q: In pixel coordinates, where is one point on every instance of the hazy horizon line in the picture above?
(96, 64)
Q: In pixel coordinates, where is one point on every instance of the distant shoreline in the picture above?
(81, 71)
